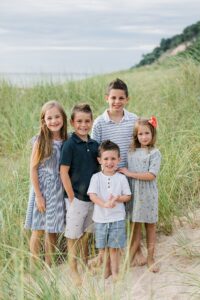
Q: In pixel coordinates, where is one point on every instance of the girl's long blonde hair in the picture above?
(142, 122)
(44, 139)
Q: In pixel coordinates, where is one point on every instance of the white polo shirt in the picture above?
(120, 133)
(103, 186)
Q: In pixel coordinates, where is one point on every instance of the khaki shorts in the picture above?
(78, 218)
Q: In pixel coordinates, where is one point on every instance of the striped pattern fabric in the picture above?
(120, 133)
(52, 220)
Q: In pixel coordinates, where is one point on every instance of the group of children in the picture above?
(81, 184)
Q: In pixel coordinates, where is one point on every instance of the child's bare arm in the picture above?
(141, 176)
(40, 201)
(64, 175)
(95, 199)
(123, 198)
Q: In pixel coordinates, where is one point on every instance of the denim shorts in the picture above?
(110, 235)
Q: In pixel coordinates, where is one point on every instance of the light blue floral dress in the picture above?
(144, 192)
(53, 219)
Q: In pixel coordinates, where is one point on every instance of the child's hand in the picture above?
(113, 199)
(111, 202)
(40, 202)
(71, 200)
(124, 171)
(108, 204)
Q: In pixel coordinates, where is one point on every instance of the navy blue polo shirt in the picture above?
(81, 156)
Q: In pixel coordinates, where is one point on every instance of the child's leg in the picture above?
(151, 240)
(114, 262)
(35, 245)
(106, 262)
(75, 219)
(50, 243)
(136, 256)
(83, 244)
(139, 259)
(98, 260)
(72, 245)
(88, 228)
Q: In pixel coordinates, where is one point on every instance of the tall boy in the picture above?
(109, 190)
(77, 165)
(116, 124)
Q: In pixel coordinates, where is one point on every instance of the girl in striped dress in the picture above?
(46, 209)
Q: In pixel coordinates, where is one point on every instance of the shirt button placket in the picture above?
(108, 182)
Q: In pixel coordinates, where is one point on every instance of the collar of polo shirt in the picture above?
(107, 118)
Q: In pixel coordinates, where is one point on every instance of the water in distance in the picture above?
(31, 79)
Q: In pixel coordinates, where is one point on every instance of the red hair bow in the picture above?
(153, 121)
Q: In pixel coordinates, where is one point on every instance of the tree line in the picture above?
(189, 34)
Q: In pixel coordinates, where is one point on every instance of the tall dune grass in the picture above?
(171, 92)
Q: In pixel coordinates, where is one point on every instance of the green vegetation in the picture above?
(191, 34)
(170, 91)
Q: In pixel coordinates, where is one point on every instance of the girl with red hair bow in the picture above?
(143, 167)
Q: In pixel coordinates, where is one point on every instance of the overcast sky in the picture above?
(92, 36)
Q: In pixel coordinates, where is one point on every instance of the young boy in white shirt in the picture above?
(108, 190)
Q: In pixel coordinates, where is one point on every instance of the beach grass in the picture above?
(170, 91)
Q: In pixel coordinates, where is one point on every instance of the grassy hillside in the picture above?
(171, 92)
(189, 39)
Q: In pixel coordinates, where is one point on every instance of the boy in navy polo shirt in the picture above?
(77, 165)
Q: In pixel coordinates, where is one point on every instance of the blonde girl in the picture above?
(46, 209)
(143, 166)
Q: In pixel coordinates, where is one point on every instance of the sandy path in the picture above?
(177, 267)
(179, 276)
(178, 279)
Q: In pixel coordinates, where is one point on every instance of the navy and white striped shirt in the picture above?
(120, 133)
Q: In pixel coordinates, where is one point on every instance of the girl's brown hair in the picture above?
(142, 122)
(44, 139)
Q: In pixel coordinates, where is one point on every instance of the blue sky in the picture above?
(94, 36)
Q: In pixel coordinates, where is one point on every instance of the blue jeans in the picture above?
(110, 235)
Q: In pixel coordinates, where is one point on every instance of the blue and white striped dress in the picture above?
(53, 219)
